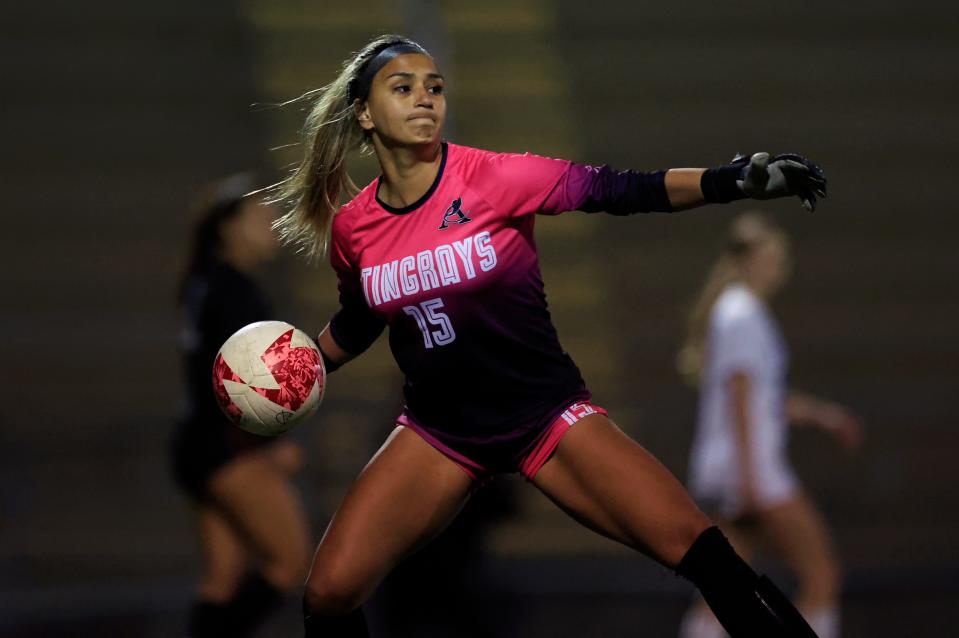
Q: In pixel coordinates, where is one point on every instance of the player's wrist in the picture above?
(721, 185)
(328, 363)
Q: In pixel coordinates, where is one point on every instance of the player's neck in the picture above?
(408, 172)
(761, 289)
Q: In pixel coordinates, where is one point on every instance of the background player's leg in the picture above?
(403, 498)
(224, 563)
(797, 532)
(286, 456)
(224, 555)
(263, 509)
(611, 484)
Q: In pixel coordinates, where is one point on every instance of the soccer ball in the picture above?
(268, 377)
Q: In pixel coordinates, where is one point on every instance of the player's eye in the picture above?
(436, 89)
(402, 88)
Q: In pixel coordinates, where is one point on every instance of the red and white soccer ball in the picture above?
(268, 377)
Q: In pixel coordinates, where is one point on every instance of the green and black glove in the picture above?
(759, 176)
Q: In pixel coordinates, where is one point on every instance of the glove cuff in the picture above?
(719, 184)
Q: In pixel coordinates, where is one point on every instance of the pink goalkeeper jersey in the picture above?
(456, 278)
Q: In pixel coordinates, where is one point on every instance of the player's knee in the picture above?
(333, 592)
(682, 537)
(284, 577)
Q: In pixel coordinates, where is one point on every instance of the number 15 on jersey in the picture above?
(434, 324)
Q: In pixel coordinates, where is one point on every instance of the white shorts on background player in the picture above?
(741, 337)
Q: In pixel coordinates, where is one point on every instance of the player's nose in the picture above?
(424, 98)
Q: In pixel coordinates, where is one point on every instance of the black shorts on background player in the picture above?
(217, 303)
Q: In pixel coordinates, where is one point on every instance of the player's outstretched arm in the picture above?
(683, 188)
(594, 189)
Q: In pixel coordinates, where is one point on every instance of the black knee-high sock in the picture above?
(747, 605)
(209, 620)
(253, 601)
(351, 625)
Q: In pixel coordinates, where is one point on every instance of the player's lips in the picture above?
(421, 116)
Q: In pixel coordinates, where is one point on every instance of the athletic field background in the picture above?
(115, 113)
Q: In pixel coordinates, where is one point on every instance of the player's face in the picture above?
(406, 106)
(769, 266)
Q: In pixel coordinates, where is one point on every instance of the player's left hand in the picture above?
(841, 423)
(765, 177)
(287, 457)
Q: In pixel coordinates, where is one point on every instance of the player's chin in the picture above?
(424, 130)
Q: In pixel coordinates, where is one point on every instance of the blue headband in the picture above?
(360, 87)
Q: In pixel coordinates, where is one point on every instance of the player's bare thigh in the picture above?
(403, 498)
(611, 484)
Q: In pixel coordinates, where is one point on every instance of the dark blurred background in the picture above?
(114, 114)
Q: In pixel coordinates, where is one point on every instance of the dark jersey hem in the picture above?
(501, 451)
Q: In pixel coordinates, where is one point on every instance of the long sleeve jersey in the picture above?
(456, 277)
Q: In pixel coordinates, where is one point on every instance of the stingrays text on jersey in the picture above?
(445, 265)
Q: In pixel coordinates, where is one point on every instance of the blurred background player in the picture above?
(441, 249)
(739, 467)
(249, 520)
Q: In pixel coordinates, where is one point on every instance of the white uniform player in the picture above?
(739, 468)
(742, 337)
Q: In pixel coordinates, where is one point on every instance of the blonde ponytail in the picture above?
(311, 195)
(691, 358)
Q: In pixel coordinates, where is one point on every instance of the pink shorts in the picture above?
(530, 460)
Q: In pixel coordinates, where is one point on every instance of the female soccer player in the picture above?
(248, 516)
(440, 248)
(739, 469)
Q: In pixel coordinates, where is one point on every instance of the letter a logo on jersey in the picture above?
(454, 211)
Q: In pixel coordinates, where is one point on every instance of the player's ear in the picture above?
(362, 111)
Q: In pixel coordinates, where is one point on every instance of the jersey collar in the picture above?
(422, 200)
